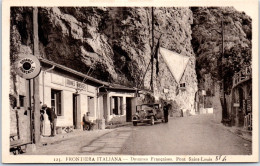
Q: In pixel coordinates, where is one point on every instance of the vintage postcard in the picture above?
(123, 81)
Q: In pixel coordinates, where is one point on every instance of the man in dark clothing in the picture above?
(52, 117)
(41, 120)
(166, 112)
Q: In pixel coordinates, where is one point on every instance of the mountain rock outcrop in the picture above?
(115, 43)
(207, 42)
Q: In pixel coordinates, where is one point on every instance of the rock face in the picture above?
(207, 42)
(212, 64)
(176, 36)
(116, 43)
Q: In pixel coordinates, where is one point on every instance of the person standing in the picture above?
(165, 112)
(41, 120)
(52, 117)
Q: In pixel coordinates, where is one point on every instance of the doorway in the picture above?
(241, 110)
(76, 113)
(128, 109)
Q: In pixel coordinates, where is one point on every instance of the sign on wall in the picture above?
(249, 105)
(70, 83)
(81, 86)
(203, 92)
(27, 66)
(236, 105)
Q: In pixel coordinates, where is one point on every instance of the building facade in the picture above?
(241, 99)
(119, 103)
(70, 93)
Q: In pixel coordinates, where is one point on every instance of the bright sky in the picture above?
(247, 11)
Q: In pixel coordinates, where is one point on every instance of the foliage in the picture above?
(207, 43)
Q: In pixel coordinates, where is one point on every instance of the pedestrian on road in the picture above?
(52, 117)
(166, 112)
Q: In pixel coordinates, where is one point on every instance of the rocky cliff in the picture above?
(219, 58)
(115, 42)
(207, 42)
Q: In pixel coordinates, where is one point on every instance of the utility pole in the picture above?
(36, 96)
(152, 49)
(222, 77)
(224, 108)
(221, 73)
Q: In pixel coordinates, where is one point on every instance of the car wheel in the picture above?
(152, 120)
(135, 123)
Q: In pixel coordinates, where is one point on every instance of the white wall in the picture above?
(55, 81)
(118, 94)
(67, 109)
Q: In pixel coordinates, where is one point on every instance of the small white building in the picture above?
(119, 102)
(71, 94)
(64, 90)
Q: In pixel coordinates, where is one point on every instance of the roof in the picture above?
(120, 87)
(106, 84)
(74, 72)
(176, 62)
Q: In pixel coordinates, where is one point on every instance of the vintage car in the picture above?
(147, 113)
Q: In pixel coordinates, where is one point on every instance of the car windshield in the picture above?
(144, 107)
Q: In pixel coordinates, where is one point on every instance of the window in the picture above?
(182, 86)
(56, 101)
(117, 105)
(21, 101)
(208, 92)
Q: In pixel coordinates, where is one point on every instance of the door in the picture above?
(128, 110)
(76, 113)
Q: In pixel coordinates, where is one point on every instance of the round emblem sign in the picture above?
(28, 66)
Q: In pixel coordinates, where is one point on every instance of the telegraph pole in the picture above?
(36, 96)
(224, 108)
(152, 48)
(221, 73)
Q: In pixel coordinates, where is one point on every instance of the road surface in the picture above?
(193, 135)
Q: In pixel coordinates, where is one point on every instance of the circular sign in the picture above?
(27, 66)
